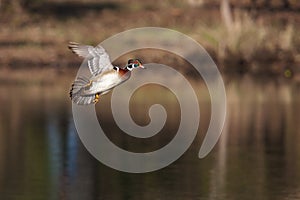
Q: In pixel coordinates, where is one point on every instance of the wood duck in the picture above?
(104, 76)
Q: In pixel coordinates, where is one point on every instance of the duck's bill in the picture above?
(142, 66)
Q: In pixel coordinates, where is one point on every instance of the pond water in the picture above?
(257, 156)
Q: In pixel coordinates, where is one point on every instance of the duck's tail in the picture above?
(76, 92)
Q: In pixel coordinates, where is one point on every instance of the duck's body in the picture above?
(104, 76)
(106, 81)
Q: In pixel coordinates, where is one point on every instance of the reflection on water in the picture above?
(258, 155)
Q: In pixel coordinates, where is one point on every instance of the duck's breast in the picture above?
(106, 81)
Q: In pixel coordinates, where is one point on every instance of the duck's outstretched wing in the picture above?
(77, 90)
(97, 59)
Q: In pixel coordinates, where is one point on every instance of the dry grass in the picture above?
(258, 45)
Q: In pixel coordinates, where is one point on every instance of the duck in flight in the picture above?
(104, 76)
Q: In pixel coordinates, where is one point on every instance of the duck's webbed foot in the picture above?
(97, 96)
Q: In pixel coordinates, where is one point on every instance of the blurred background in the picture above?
(255, 44)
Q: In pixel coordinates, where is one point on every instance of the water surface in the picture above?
(257, 157)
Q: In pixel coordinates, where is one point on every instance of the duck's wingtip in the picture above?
(73, 46)
(76, 92)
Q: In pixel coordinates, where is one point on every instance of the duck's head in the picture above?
(134, 63)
